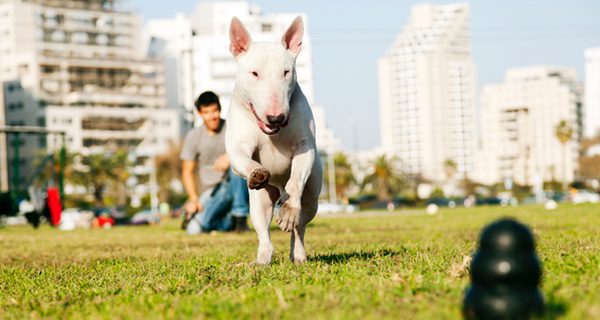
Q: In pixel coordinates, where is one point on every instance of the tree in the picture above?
(589, 164)
(344, 176)
(47, 169)
(564, 133)
(168, 168)
(99, 170)
(96, 171)
(385, 178)
(450, 168)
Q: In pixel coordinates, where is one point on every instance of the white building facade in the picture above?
(212, 64)
(171, 41)
(591, 111)
(519, 121)
(78, 66)
(427, 93)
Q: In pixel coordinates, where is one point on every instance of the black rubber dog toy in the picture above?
(505, 274)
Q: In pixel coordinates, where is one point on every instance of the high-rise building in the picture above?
(519, 126)
(427, 93)
(77, 66)
(591, 110)
(200, 43)
(171, 41)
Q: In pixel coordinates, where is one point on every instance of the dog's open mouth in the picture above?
(265, 127)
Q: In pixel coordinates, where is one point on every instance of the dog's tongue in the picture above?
(264, 127)
(267, 129)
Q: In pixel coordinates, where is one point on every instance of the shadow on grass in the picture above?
(343, 257)
(312, 225)
(554, 308)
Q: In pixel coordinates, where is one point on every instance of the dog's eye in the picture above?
(286, 72)
(255, 74)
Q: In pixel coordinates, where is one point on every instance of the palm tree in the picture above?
(385, 179)
(344, 176)
(564, 133)
(450, 168)
(95, 171)
(100, 170)
(47, 169)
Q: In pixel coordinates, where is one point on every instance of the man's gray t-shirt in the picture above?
(199, 145)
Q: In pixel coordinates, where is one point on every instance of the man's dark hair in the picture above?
(207, 98)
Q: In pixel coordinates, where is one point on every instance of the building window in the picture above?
(58, 36)
(13, 87)
(79, 37)
(267, 27)
(102, 39)
(42, 141)
(17, 123)
(15, 106)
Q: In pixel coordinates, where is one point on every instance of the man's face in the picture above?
(211, 115)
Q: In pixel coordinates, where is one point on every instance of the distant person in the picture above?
(221, 202)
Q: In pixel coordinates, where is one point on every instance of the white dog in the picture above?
(270, 137)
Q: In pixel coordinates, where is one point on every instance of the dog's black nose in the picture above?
(276, 120)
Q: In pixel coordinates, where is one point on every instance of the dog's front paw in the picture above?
(288, 217)
(259, 178)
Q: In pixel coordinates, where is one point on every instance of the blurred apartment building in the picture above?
(427, 93)
(592, 92)
(196, 52)
(519, 121)
(78, 66)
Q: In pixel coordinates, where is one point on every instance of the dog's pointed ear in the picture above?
(239, 38)
(292, 39)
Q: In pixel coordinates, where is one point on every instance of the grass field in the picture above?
(401, 265)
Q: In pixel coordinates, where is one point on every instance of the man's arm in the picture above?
(222, 163)
(189, 184)
(188, 178)
(189, 156)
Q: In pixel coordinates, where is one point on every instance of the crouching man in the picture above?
(222, 203)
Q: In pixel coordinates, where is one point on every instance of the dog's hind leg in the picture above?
(297, 249)
(261, 205)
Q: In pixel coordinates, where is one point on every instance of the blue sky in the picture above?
(349, 36)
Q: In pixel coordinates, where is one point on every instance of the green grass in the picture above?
(402, 265)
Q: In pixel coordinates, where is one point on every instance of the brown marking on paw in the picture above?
(259, 178)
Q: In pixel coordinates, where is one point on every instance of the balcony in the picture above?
(107, 123)
(111, 98)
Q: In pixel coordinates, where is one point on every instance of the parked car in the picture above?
(557, 196)
(145, 217)
(585, 196)
(489, 201)
(328, 207)
(438, 201)
(118, 215)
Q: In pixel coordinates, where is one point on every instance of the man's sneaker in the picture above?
(240, 224)
(194, 227)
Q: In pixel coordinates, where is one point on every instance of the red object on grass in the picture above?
(54, 205)
(102, 220)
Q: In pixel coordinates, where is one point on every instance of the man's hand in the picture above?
(192, 206)
(222, 163)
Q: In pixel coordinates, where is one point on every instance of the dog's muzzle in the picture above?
(275, 122)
